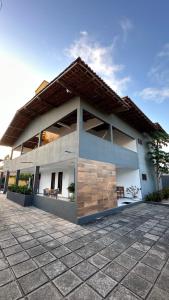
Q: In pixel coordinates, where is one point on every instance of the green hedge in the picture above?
(25, 176)
(20, 189)
(158, 196)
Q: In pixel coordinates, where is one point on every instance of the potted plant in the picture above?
(71, 190)
(133, 191)
(20, 194)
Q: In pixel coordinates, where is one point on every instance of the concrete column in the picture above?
(11, 153)
(6, 182)
(40, 139)
(17, 176)
(111, 133)
(36, 180)
(21, 149)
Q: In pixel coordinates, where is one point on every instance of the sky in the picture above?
(125, 42)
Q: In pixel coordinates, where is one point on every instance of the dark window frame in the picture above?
(60, 181)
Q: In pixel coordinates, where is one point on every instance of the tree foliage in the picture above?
(157, 155)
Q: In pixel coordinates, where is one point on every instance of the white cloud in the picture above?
(164, 52)
(155, 94)
(100, 59)
(159, 78)
(18, 83)
(126, 26)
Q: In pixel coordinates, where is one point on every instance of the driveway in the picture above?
(122, 257)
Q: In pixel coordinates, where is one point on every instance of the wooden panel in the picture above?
(96, 187)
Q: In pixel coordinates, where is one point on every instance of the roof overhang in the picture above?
(76, 80)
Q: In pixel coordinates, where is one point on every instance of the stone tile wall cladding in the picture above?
(96, 187)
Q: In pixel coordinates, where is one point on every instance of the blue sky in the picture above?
(126, 42)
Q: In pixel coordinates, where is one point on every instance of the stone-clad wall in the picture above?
(96, 187)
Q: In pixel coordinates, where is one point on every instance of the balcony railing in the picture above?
(59, 150)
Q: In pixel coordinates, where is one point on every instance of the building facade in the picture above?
(78, 130)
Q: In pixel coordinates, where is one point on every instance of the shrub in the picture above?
(25, 176)
(155, 197)
(20, 189)
(71, 188)
(165, 193)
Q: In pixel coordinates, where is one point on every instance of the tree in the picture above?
(158, 156)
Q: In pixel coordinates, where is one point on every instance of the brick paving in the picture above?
(122, 257)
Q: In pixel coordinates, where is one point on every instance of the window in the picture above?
(144, 176)
(53, 181)
(60, 179)
(140, 142)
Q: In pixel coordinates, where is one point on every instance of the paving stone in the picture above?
(30, 244)
(10, 291)
(32, 281)
(74, 245)
(35, 251)
(17, 258)
(61, 251)
(67, 282)
(115, 271)
(109, 253)
(6, 276)
(106, 240)
(47, 291)
(65, 239)
(71, 260)
(137, 285)
(54, 269)
(158, 294)
(8, 243)
(24, 268)
(141, 247)
(38, 234)
(84, 270)
(160, 250)
(57, 235)
(24, 238)
(151, 236)
(153, 261)
(134, 253)
(19, 233)
(99, 260)
(12, 250)
(122, 293)
(84, 292)
(52, 244)
(45, 239)
(163, 282)
(44, 259)
(96, 246)
(86, 251)
(146, 272)
(125, 261)
(3, 264)
(102, 283)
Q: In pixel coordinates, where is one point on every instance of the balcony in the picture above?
(59, 150)
(95, 148)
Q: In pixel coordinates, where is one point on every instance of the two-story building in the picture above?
(76, 129)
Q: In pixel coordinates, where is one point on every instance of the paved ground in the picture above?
(123, 257)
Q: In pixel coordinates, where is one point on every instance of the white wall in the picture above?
(126, 178)
(45, 181)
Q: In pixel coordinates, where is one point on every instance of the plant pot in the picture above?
(24, 200)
